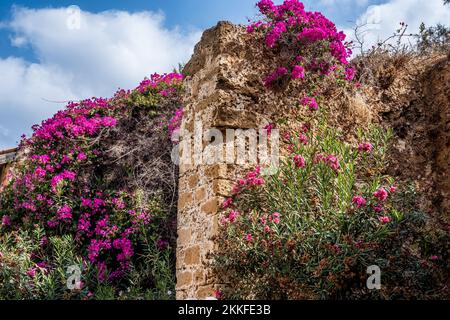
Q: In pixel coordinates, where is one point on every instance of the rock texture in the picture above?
(216, 97)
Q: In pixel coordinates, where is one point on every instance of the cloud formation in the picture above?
(90, 56)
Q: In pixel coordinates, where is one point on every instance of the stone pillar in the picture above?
(214, 99)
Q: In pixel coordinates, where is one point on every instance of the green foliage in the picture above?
(301, 234)
(151, 275)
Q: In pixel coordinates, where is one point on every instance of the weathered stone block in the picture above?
(192, 255)
(211, 206)
(184, 278)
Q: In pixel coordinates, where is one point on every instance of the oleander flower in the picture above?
(299, 161)
(384, 219)
(381, 194)
(365, 147)
(275, 218)
(359, 201)
(232, 216)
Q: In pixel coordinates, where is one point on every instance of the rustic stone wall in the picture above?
(214, 99)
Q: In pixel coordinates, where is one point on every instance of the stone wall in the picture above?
(214, 99)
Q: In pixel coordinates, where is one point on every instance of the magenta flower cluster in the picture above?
(157, 81)
(51, 187)
(319, 46)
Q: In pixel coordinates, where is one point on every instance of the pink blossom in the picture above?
(381, 194)
(273, 36)
(333, 162)
(6, 220)
(256, 181)
(81, 156)
(269, 128)
(218, 294)
(303, 139)
(298, 72)
(309, 102)
(119, 203)
(299, 161)
(65, 213)
(249, 237)
(365, 147)
(86, 202)
(359, 201)
(126, 246)
(393, 189)
(278, 73)
(242, 182)
(39, 172)
(434, 258)
(378, 208)
(266, 6)
(384, 219)
(232, 216)
(31, 272)
(275, 217)
(349, 74)
(312, 34)
(227, 203)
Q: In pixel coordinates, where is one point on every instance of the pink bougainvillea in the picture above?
(310, 102)
(317, 46)
(53, 190)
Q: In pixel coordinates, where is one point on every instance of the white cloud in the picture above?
(384, 19)
(109, 50)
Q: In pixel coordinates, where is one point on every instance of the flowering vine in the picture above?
(59, 184)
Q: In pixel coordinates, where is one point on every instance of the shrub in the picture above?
(96, 173)
(311, 229)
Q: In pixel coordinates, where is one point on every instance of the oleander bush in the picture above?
(311, 229)
(95, 188)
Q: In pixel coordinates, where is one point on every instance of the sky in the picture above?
(47, 57)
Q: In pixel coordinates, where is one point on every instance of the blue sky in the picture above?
(42, 63)
(187, 14)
